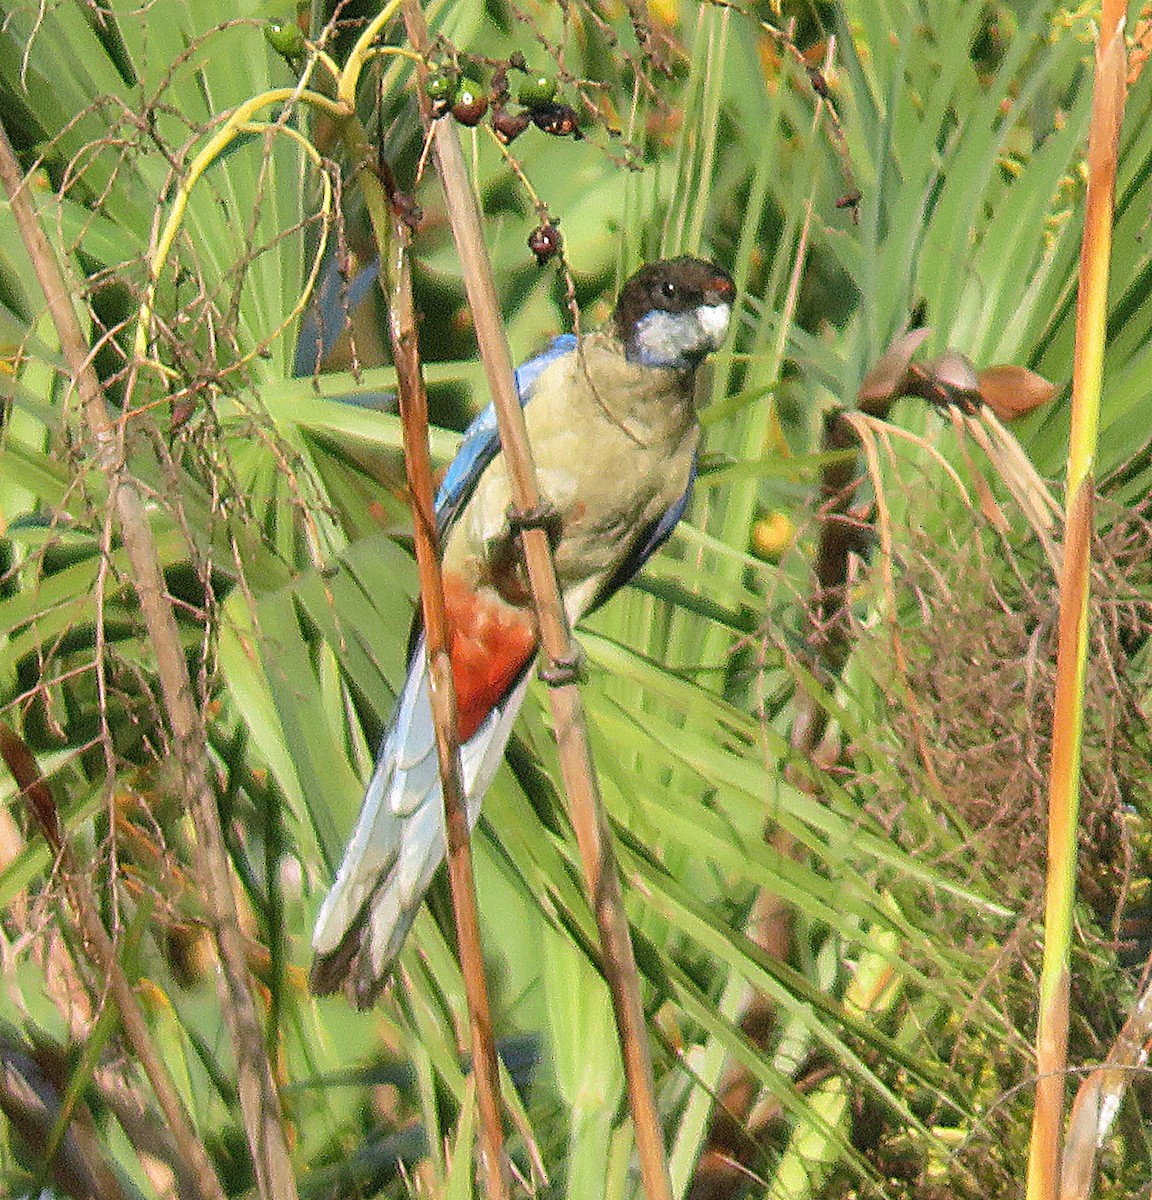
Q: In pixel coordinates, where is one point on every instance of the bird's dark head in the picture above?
(673, 312)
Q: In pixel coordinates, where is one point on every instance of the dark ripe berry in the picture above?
(471, 105)
(545, 241)
(285, 37)
(557, 119)
(508, 126)
(537, 91)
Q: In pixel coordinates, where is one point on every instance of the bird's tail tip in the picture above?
(328, 971)
(345, 969)
(363, 960)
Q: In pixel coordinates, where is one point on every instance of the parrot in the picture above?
(611, 421)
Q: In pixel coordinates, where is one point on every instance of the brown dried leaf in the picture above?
(1011, 392)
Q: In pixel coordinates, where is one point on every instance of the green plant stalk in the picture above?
(1071, 656)
(361, 52)
(240, 121)
(718, 41)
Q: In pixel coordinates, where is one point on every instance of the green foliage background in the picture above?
(893, 1054)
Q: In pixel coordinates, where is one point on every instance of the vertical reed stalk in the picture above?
(391, 237)
(259, 1099)
(1071, 655)
(418, 464)
(576, 765)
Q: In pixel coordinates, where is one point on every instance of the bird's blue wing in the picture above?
(527, 373)
(646, 544)
(322, 326)
(481, 441)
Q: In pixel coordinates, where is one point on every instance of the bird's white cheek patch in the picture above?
(677, 339)
(713, 320)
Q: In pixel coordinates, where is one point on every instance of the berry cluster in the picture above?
(469, 88)
(459, 88)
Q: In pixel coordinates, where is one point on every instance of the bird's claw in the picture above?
(572, 668)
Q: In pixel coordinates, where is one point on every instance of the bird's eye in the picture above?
(668, 290)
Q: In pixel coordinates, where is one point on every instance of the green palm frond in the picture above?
(278, 506)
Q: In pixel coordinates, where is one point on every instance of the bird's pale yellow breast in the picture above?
(613, 444)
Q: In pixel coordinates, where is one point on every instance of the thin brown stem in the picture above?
(576, 765)
(259, 1100)
(392, 238)
(442, 693)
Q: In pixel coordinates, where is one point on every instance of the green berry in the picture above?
(285, 37)
(442, 87)
(540, 89)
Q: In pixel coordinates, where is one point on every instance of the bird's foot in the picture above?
(542, 515)
(572, 668)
